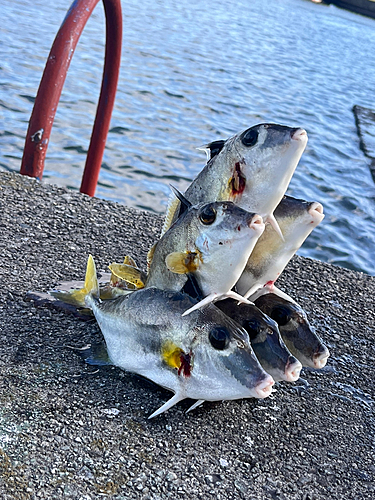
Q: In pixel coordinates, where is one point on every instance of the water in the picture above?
(193, 72)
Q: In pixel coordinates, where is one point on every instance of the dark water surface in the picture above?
(196, 71)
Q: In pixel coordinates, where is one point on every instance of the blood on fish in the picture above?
(269, 284)
(185, 366)
(237, 182)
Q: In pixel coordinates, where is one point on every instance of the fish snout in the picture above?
(321, 356)
(317, 213)
(292, 369)
(299, 134)
(264, 388)
(256, 223)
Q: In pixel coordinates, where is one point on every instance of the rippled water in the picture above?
(196, 71)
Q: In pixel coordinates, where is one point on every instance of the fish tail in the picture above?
(78, 297)
(91, 286)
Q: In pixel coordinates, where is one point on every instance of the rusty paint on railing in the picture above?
(50, 88)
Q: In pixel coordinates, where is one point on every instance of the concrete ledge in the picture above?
(70, 431)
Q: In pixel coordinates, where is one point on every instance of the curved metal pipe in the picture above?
(50, 88)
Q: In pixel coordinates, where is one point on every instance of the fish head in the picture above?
(225, 366)
(261, 161)
(297, 218)
(270, 348)
(295, 330)
(205, 238)
(223, 224)
(225, 237)
(265, 340)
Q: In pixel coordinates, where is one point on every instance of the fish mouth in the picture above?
(264, 388)
(299, 134)
(316, 212)
(320, 358)
(292, 369)
(257, 223)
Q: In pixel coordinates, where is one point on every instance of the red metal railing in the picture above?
(52, 82)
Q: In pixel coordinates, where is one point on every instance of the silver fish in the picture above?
(204, 356)
(252, 169)
(212, 241)
(265, 339)
(297, 218)
(295, 330)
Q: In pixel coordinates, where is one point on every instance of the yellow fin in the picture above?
(91, 286)
(150, 255)
(91, 281)
(129, 261)
(182, 262)
(128, 273)
(114, 280)
(171, 354)
(73, 297)
(173, 205)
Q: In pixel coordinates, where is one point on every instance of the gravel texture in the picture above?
(69, 430)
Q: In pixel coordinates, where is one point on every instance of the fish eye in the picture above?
(281, 315)
(219, 338)
(207, 216)
(250, 137)
(252, 326)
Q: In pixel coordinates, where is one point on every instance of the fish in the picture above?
(297, 218)
(265, 339)
(212, 241)
(295, 330)
(204, 356)
(252, 169)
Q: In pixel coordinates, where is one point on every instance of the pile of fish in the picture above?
(207, 321)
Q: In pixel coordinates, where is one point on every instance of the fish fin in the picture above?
(282, 294)
(259, 292)
(91, 285)
(212, 149)
(252, 291)
(77, 297)
(129, 261)
(150, 255)
(96, 355)
(171, 354)
(234, 295)
(173, 206)
(271, 219)
(184, 201)
(207, 300)
(72, 297)
(265, 289)
(129, 274)
(192, 288)
(214, 297)
(206, 149)
(171, 402)
(182, 262)
(195, 405)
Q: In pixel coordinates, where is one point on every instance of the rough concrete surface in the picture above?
(69, 430)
